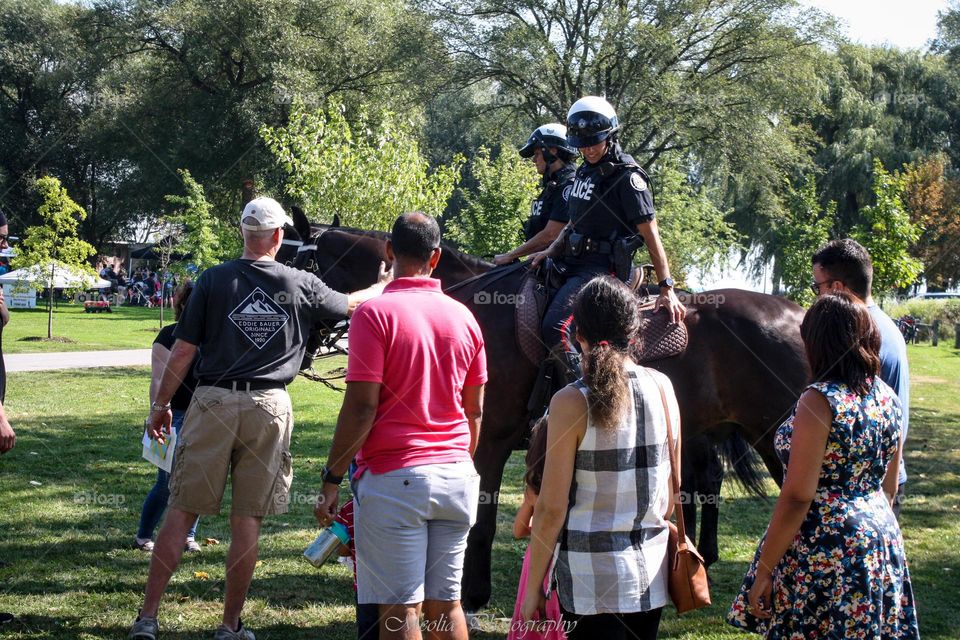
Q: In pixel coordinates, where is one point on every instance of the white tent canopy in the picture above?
(63, 278)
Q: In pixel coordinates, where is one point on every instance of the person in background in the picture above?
(604, 503)
(8, 438)
(156, 501)
(845, 265)
(551, 627)
(416, 489)
(831, 563)
(554, 161)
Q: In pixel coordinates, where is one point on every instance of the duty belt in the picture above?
(578, 244)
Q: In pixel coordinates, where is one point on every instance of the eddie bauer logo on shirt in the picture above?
(259, 317)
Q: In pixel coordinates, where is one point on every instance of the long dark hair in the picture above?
(841, 340)
(536, 455)
(605, 312)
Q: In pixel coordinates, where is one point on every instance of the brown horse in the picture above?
(741, 373)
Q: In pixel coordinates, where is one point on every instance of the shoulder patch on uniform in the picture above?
(637, 182)
(566, 192)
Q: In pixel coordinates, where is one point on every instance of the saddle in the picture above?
(528, 314)
(657, 338)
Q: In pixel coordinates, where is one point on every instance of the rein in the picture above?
(491, 276)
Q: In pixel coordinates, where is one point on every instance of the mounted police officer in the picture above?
(611, 215)
(554, 160)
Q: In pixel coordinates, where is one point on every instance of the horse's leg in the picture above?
(709, 484)
(490, 458)
(689, 454)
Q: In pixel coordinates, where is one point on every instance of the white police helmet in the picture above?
(545, 136)
(591, 120)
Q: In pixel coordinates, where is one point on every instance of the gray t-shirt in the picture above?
(251, 319)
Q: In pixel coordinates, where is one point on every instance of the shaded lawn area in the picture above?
(71, 492)
(124, 328)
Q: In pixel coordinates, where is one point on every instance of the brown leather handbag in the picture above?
(687, 579)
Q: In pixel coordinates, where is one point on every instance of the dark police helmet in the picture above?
(546, 136)
(591, 120)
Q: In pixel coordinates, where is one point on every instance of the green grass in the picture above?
(124, 328)
(73, 573)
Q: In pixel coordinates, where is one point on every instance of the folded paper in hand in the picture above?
(160, 453)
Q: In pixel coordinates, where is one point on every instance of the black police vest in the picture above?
(550, 204)
(608, 200)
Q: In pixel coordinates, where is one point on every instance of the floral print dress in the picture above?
(845, 574)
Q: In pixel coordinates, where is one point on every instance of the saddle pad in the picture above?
(659, 337)
(529, 310)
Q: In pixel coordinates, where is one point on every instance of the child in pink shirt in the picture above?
(551, 628)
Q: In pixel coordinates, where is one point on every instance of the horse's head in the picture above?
(292, 237)
(345, 259)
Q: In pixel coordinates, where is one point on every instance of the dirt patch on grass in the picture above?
(928, 380)
(61, 339)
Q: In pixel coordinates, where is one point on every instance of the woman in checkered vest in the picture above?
(607, 475)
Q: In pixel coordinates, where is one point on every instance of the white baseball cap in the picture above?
(268, 215)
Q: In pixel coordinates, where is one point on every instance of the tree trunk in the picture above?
(50, 303)
(163, 288)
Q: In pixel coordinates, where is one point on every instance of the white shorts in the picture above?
(411, 529)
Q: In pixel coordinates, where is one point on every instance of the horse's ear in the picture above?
(300, 223)
(336, 220)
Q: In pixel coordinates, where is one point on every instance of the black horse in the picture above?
(740, 375)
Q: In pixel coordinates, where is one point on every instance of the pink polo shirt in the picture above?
(423, 347)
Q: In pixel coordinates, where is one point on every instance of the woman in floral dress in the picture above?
(831, 564)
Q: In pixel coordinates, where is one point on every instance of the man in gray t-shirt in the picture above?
(250, 319)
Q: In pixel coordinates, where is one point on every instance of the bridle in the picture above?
(324, 341)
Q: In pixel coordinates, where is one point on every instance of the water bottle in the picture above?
(327, 543)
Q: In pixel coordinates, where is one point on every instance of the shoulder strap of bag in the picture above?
(674, 467)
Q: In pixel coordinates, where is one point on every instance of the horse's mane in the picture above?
(470, 261)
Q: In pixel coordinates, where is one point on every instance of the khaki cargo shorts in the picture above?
(243, 434)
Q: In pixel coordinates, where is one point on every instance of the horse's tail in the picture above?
(747, 468)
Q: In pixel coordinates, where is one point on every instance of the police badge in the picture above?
(637, 182)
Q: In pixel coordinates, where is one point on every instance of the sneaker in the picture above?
(144, 544)
(144, 628)
(191, 546)
(224, 632)
(6, 618)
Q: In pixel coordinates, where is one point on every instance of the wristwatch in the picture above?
(327, 476)
(666, 283)
(155, 406)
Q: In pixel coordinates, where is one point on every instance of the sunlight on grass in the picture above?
(70, 496)
(125, 328)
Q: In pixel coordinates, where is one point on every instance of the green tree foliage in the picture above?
(54, 242)
(888, 234)
(932, 197)
(112, 96)
(368, 173)
(796, 235)
(494, 212)
(682, 75)
(695, 232)
(198, 236)
(883, 104)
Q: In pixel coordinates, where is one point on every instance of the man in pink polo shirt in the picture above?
(411, 415)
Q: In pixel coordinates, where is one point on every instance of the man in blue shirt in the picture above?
(844, 265)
